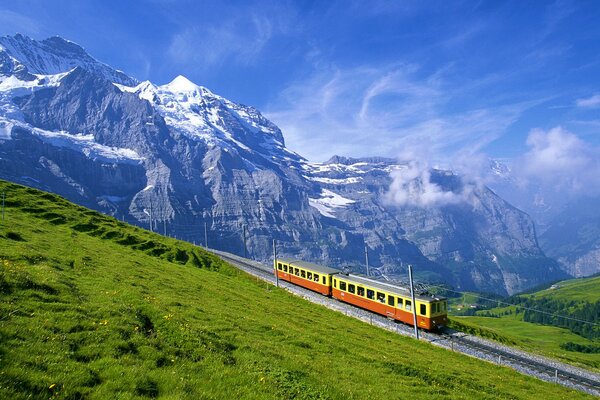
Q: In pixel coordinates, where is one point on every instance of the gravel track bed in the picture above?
(519, 360)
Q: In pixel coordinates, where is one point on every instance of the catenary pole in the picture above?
(367, 259)
(205, 236)
(414, 304)
(275, 262)
(245, 251)
(150, 215)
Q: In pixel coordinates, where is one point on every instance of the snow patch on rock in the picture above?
(329, 202)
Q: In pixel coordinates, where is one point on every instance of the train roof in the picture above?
(308, 265)
(396, 290)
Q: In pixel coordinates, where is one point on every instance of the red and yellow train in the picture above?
(388, 300)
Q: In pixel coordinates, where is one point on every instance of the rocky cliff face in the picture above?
(179, 158)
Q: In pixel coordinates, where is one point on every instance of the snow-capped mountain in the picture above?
(188, 157)
(199, 114)
(24, 56)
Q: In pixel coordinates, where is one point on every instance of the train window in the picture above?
(309, 276)
(380, 297)
(400, 302)
(324, 280)
(335, 283)
(408, 305)
(285, 268)
(444, 305)
(317, 278)
(342, 285)
(423, 309)
(296, 271)
(391, 301)
(370, 294)
(279, 266)
(351, 288)
(303, 273)
(360, 291)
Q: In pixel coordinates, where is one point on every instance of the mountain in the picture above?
(573, 237)
(24, 57)
(568, 225)
(180, 159)
(539, 202)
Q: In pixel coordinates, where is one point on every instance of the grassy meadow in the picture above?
(94, 308)
(506, 323)
(535, 338)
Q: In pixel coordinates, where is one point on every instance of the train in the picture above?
(379, 297)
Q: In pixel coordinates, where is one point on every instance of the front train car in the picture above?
(392, 301)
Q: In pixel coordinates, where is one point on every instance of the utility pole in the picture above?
(275, 262)
(205, 236)
(245, 251)
(414, 304)
(165, 227)
(367, 259)
(150, 215)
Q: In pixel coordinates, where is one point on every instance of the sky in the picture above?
(448, 81)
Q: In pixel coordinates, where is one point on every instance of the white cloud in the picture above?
(412, 185)
(561, 160)
(590, 102)
(379, 111)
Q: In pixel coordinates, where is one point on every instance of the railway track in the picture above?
(553, 373)
(529, 364)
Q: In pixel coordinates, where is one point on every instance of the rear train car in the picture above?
(391, 301)
(311, 276)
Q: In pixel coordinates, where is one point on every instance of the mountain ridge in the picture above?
(184, 158)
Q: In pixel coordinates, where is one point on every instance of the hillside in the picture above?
(578, 290)
(569, 340)
(92, 307)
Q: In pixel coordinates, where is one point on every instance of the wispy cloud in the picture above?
(15, 22)
(589, 102)
(237, 40)
(379, 111)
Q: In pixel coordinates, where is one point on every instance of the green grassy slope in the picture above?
(541, 339)
(582, 289)
(566, 298)
(93, 308)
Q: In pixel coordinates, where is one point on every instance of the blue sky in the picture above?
(446, 80)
